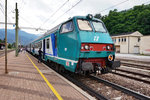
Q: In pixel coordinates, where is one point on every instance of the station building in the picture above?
(145, 45)
(127, 42)
(2, 45)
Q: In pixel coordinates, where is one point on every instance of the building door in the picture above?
(136, 49)
(117, 49)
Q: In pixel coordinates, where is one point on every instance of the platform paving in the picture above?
(23, 82)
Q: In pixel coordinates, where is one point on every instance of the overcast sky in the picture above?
(42, 13)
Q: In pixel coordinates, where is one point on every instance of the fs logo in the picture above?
(96, 38)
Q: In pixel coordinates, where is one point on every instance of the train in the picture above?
(82, 44)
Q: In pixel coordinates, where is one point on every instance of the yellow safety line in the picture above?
(48, 83)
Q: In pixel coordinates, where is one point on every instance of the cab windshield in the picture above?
(84, 25)
(99, 27)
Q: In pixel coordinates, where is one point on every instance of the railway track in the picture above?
(134, 61)
(121, 88)
(132, 75)
(146, 67)
(129, 92)
(3, 52)
(85, 88)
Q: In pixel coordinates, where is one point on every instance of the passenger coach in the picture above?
(81, 44)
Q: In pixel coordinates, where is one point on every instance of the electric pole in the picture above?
(6, 71)
(16, 30)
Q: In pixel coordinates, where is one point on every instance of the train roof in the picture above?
(57, 27)
(48, 32)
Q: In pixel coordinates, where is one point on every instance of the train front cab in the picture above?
(97, 51)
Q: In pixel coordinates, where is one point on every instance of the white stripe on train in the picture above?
(62, 58)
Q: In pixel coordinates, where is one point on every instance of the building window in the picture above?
(124, 39)
(47, 43)
(119, 39)
(113, 40)
(139, 39)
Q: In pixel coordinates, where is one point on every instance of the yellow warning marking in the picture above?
(48, 83)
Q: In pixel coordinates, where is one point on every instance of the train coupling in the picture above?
(98, 69)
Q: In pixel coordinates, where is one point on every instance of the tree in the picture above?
(9, 46)
(134, 19)
(98, 16)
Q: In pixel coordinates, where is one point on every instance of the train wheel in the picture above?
(57, 67)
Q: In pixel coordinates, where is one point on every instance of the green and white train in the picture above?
(81, 44)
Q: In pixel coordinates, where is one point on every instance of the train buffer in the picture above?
(29, 80)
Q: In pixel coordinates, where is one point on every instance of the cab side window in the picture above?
(47, 43)
(67, 27)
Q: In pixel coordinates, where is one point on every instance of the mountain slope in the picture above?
(24, 37)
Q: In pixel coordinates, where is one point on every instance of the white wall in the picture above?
(145, 45)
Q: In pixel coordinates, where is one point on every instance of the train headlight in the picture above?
(82, 47)
(110, 57)
(108, 47)
(90, 16)
(86, 47)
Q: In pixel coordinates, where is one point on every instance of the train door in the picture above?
(43, 48)
(30, 47)
(55, 44)
(67, 41)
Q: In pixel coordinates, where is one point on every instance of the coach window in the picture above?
(67, 27)
(47, 43)
(40, 44)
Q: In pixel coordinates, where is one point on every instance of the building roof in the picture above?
(122, 34)
(135, 34)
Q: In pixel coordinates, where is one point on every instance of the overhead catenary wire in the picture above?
(2, 10)
(54, 13)
(66, 11)
(146, 2)
(114, 6)
(1, 7)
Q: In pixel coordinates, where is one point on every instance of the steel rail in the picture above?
(86, 88)
(136, 73)
(121, 88)
(136, 66)
(131, 60)
(131, 77)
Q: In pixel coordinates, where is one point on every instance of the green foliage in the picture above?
(135, 19)
(2, 41)
(13, 44)
(9, 46)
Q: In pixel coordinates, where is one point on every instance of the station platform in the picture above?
(29, 80)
